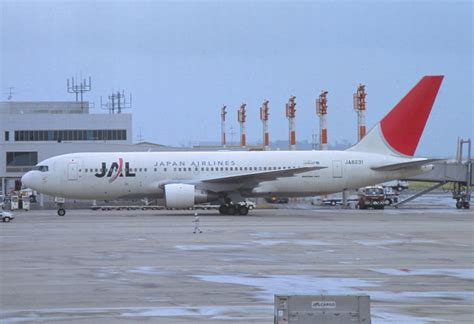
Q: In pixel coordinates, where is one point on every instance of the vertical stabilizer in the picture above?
(399, 132)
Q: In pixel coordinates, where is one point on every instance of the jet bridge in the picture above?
(458, 171)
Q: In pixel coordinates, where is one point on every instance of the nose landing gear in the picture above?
(60, 202)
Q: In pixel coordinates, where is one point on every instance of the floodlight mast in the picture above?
(241, 118)
(290, 111)
(321, 111)
(359, 107)
(223, 130)
(264, 118)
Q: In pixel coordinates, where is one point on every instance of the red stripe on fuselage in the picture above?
(119, 171)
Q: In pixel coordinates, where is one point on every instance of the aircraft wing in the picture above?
(241, 181)
(404, 165)
(261, 176)
(246, 180)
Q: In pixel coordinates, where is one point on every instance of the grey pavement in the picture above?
(147, 266)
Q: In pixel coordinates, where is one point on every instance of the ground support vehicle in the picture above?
(371, 197)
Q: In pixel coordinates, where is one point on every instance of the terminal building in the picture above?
(32, 131)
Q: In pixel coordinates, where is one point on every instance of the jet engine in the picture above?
(178, 195)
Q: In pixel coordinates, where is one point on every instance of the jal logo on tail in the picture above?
(115, 170)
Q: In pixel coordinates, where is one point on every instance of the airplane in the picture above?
(183, 179)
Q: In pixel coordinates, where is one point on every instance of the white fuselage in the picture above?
(83, 176)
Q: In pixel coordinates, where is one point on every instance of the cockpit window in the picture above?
(42, 168)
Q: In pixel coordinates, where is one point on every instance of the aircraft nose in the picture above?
(30, 180)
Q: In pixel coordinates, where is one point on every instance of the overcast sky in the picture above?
(183, 60)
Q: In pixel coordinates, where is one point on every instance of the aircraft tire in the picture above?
(223, 210)
(458, 204)
(231, 210)
(243, 210)
(61, 212)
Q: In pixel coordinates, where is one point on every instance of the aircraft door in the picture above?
(337, 169)
(72, 171)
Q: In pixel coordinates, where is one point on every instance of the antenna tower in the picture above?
(117, 101)
(79, 88)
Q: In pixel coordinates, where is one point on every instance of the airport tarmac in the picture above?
(416, 264)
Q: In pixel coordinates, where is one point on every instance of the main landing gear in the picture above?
(231, 209)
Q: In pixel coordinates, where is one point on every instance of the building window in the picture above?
(7, 136)
(68, 135)
(21, 161)
(22, 158)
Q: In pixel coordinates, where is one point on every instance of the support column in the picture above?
(345, 195)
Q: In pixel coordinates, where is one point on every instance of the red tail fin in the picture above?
(404, 124)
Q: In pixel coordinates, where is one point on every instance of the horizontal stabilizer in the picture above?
(262, 176)
(405, 165)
